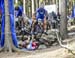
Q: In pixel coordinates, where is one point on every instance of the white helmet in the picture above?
(41, 5)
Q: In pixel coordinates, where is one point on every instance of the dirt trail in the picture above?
(58, 53)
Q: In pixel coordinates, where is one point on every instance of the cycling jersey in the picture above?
(40, 13)
(19, 11)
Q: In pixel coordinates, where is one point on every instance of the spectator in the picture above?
(54, 20)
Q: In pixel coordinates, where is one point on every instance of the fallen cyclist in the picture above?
(28, 44)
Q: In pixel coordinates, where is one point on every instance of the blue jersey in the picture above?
(40, 13)
(19, 12)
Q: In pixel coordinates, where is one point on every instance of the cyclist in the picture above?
(18, 15)
(41, 14)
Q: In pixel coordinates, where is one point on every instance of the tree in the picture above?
(63, 21)
(7, 45)
(24, 10)
(8, 39)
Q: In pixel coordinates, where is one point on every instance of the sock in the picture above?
(44, 30)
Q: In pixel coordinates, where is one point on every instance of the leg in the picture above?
(33, 29)
(45, 24)
(33, 25)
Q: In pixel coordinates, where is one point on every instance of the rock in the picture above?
(42, 47)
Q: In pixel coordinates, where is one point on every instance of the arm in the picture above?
(33, 17)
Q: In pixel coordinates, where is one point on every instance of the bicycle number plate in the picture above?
(39, 20)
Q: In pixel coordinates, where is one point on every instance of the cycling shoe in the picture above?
(45, 33)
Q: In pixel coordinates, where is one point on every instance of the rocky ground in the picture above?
(52, 52)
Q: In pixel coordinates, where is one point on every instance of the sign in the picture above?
(51, 8)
